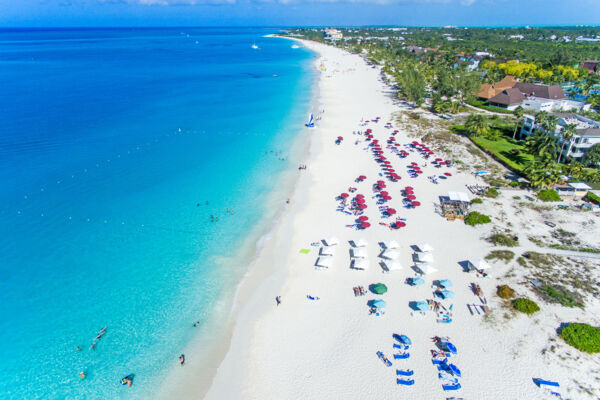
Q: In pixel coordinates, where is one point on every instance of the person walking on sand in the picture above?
(278, 300)
(182, 359)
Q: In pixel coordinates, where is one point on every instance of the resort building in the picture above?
(592, 66)
(587, 133)
(332, 34)
(509, 99)
(487, 91)
(541, 104)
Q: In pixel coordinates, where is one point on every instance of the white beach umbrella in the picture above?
(362, 263)
(332, 241)
(361, 243)
(425, 247)
(391, 244)
(324, 262)
(327, 251)
(393, 265)
(424, 257)
(390, 254)
(360, 253)
(480, 264)
(427, 269)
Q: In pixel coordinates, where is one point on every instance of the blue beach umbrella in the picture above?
(445, 283)
(454, 369)
(450, 347)
(405, 340)
(447, 294)
(379, 303)
(417, 281)
(422, 306)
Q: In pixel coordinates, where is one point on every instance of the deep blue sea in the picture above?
(116, 147)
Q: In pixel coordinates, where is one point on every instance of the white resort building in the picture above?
(587, 133)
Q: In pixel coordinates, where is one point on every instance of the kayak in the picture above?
(128, 380)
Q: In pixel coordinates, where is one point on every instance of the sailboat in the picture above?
(311, 122)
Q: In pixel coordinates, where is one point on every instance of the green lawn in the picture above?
(502, 148)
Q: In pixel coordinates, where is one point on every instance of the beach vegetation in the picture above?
(477, 200)
(583, 337)
(548, 195)
(477, 125)
(502, 239)
(592, 197)
(491, 192)
(505, 291)
(504, 255)
(525, 305)
(522, 261)
(477, 218)
(554, 293)
(592, 157)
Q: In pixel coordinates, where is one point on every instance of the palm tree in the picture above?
(540, 144)
(549, 124)
(477, 124)
(567, 133)
(542, 174)
(575, 170)
(519, 114)
(540, 117)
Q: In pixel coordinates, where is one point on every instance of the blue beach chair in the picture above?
(451, 387)
(404, 372)
(405, 383)
(400, 346)
(402, 356)
(383, 358)
(448, 378)
(539, 382)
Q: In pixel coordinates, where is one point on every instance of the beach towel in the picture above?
(304, 251)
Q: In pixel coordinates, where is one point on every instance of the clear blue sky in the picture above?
(297, 12)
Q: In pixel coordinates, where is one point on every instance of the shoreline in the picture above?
(196, 379)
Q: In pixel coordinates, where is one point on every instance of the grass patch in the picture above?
(548, 195)
(477, 218)
(583, 337)
(476, 200)
(505, 150)
(526, 306)
(505, 291)
(592, 198)
(501, 239)
(504, 255)
(560, 295)
(491, 192)
(522, 262)
(484, 106)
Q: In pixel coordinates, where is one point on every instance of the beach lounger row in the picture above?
(405, 382)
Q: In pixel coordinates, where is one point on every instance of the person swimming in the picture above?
(128, 380)
(182, 359)
(83, 374)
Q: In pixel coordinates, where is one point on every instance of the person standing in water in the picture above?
(182, 359)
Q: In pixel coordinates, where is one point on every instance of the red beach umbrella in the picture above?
(365, 225)
(391, 211)
(387, 197)
(360, 196)
(438, 159)
(360, 201)
(411, 197)
(363, 218)
(408, 188)
(344, 195)
(416, 203)
(447, 174)
(362, 206)
(400, 224)
(384, 193)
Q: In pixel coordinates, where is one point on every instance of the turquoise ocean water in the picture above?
(112, 141)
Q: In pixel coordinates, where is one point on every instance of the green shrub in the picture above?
(526, 306)
(505, 292)
(500, 239)
(513, 184)
(592, 197)
(476, 200)
(504, 255)
(583, 337)
(548, 195)
(491, 192)
(476, 218)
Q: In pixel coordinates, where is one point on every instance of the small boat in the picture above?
(311, 121)
(295, 46)
(255, 47)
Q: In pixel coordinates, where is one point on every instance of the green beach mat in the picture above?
(304, 251)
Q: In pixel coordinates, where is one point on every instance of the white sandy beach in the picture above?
(326, 349)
